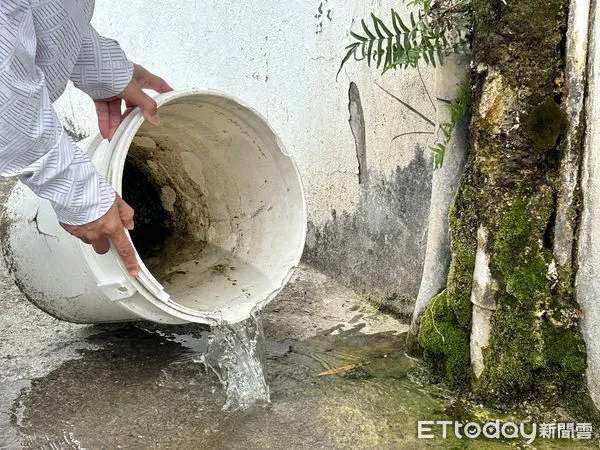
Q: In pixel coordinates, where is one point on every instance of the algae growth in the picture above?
(447, 351)
(535, 350)
(527, 354)
(546, 122)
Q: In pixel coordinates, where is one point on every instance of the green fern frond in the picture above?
(435, 31)
(458, 108)
(407, 106)
(390, 47)
(438, 29)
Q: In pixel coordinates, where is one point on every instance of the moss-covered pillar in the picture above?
(444, 183)
(503, 279)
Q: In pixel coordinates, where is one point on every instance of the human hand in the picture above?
(109, 109)
(109, 228)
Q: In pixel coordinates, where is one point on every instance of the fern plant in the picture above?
(457, 108)
(439, 28)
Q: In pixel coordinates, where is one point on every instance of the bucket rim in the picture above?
(145, 283)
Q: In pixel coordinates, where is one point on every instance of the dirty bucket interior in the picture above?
(218, 206)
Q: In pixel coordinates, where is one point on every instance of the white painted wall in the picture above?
(281, 57)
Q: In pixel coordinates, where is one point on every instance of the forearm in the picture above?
(33, 145)
(66, 177)
(102, 70)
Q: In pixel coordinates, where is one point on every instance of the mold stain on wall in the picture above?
(323, 12)
(379, 248)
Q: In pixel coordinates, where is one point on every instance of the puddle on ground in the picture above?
(146, 389)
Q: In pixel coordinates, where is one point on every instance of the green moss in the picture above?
(519, 251)
(514, 354)
(445, 326)
(461, 273)
(445, 343)
(566, 351)
(527, 354)
(516, 351)
(535, 349)
(546, 122)
(463, 231)
(529, 44)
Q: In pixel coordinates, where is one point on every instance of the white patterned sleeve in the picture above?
(102, 70)
(33, 144)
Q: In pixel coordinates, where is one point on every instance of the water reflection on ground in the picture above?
(143, 390)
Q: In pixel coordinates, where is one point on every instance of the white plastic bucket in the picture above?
(220, 196)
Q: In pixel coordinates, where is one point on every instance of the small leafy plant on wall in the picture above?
(436, 29)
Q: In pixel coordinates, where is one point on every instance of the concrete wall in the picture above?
(588, 258)
(369, 228)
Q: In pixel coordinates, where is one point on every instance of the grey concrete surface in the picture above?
(445, 182)
(588, 283)
(64, 385)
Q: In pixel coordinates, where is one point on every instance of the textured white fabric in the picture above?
(44, 43)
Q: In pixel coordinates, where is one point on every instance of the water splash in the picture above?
(236, 355)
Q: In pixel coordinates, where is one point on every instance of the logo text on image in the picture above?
(431, 429)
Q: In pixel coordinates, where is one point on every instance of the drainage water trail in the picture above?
(236, 355)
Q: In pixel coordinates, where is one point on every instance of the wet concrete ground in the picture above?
(137, 386)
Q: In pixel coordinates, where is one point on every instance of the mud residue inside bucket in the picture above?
(170, 218)
(164, 181)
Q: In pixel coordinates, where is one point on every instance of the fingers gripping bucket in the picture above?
(220, 221)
